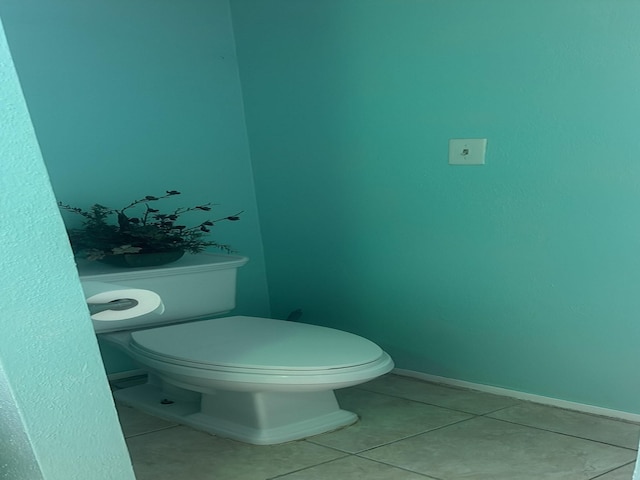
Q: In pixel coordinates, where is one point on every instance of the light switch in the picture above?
(467, 151)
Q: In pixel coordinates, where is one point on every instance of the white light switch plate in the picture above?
(467, 151)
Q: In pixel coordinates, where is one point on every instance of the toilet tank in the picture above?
(194, 287)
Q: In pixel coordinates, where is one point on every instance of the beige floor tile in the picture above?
(384, 419)
(181, 453)
(418, 430)
(488, 449)
(622, 473)
(440, 395)
(353, 468)
(622, 434)
(134, 422)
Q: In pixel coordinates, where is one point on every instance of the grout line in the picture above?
(561, 433)
(429, 430)
(400, 468)
(500, 409)
(311, 466)
(612, 470)
(357, 456)
(310, 440)
(439, 406)
(151, 431)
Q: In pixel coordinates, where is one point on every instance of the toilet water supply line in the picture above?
(295, 315)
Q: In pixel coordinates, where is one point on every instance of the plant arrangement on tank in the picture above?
(121, 236)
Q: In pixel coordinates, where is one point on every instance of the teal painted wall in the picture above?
(131, 99)
(57, 420)
(523, 273)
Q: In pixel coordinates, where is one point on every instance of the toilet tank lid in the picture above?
(251, 342)
(92, 270)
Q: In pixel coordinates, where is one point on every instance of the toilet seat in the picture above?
(259, 347)
(255, 380)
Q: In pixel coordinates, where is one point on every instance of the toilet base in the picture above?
(260, 418)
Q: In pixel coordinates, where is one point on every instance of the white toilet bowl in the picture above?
(257, 380)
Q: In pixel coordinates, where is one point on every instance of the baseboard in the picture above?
(554, 402)
(126, 374)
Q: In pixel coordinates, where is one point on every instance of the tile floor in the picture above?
(408, 430)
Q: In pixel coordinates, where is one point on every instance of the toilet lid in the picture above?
(250, 342)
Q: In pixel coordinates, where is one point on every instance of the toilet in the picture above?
(256, 380)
